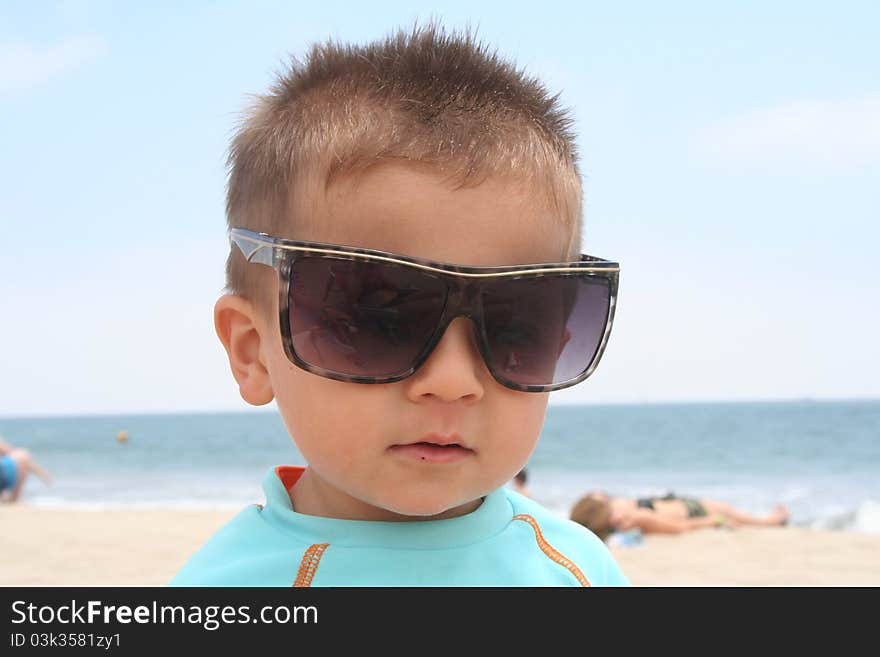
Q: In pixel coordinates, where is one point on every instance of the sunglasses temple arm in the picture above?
(253, 250)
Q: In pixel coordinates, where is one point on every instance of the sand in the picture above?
(147, 547)
(100, 548)
(754, 556)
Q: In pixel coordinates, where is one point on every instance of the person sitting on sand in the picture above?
(670, 514)
(16, 465)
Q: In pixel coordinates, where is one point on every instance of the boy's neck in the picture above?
(313, 496)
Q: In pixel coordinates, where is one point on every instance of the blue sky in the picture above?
(731, 158)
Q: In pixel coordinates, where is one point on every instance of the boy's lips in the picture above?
(434, 448)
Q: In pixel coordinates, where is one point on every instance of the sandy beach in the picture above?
(146, 547)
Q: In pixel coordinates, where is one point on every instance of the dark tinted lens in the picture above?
(546, 329)
(362, 318)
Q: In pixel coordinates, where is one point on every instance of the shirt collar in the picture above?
(487, 520)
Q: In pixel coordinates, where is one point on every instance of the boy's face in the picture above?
(359, 440)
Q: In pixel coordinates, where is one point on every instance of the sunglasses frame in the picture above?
(280, 254)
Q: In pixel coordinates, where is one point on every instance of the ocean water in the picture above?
(821, 459)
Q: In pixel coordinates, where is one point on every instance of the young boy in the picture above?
(405, 281)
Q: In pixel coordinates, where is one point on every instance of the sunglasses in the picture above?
(367, 316)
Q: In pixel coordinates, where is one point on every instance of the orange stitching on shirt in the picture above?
(309, 564)
(552, 552)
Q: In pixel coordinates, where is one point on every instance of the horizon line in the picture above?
(262, 411)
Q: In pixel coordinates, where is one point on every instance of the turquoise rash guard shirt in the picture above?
(509, 540)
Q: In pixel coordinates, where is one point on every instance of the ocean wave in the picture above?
(183, 504)
(865, 518)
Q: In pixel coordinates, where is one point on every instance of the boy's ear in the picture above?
(237, 326)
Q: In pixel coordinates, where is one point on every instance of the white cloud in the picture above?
(803, 134)
(24, 64)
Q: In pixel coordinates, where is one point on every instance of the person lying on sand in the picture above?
(670, 514)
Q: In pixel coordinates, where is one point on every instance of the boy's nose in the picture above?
(459, 336)
(460, 332)
(454, 367)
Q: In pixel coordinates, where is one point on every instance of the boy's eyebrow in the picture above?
(261, 248)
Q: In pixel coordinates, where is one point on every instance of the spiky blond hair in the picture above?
(426, 96)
